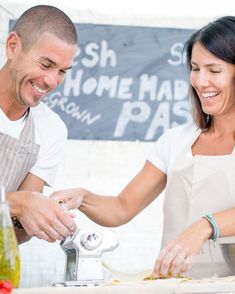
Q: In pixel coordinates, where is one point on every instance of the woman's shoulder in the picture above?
(169, 146)
(176, 137)
(185, 130)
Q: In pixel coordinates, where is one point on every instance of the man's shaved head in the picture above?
(44, 18)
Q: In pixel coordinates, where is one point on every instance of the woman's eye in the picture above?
(215, 71)
(195, 69)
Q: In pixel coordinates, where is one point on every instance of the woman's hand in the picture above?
(177, 257)
(72, 197)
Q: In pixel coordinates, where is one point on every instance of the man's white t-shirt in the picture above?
(170, 146)
(50, 133)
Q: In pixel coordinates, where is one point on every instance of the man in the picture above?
(40, 50)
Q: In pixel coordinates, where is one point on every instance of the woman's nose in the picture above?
(202, 80)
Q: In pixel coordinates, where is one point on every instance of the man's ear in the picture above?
(13, 45)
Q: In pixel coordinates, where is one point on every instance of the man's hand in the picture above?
(43, 217)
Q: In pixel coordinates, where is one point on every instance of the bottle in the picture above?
(9, 251)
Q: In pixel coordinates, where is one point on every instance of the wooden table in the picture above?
(168, 286)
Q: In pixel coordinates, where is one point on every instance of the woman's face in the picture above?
(214, 81)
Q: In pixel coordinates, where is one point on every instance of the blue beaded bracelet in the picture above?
(214, 225)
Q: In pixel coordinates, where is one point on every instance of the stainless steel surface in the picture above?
(228, 249)
(83, 252)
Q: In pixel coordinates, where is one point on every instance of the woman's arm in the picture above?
(177, 257)
(115, 211)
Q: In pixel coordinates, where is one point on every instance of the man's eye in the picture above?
(46, 66)
(195, 69)
(62, 72)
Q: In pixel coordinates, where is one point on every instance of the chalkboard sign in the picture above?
(127, 83)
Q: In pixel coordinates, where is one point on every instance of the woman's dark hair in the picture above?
(218, 37)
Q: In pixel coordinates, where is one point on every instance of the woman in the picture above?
(195, 165)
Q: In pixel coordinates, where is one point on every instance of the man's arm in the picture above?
(40, 216)
(30, 183)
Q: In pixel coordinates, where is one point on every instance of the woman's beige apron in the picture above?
(17, 156)
(198, 185)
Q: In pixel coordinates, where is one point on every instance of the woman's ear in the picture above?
(13, 45)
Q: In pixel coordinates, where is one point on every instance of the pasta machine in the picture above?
(83, 251)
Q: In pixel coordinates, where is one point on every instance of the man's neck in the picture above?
(11, 112)
(8, 103)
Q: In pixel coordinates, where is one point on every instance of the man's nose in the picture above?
(52, 79)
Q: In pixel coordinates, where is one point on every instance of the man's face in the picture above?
(41, 69)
